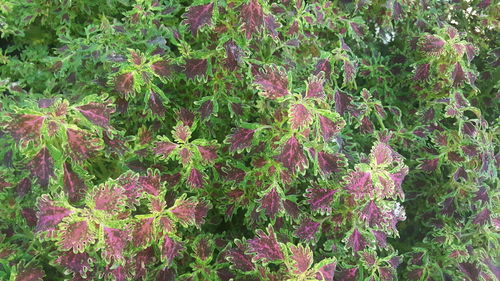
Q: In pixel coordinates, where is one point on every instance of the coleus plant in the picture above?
(249, 140)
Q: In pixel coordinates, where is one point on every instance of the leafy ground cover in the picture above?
(249, 140)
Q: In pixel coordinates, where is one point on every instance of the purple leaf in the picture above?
(185, 210)
(240, 139)
(381, 238)
(325, 66)
(252, 17)
(238, 257)
(300, 117)
(201, 212)
(42, 167)
(470, 270)
(116, 240)
(356, 241)
(206, 109)
(97, 113)
(151, 183)
(170, 249)
(359, 184)
(273, 82)
(483, 217)
(265, 246)
(25, 127)
(49, 214)
(381, 154)
(291, 208)
(195, 67)
(271, 25)
(315, 88)
(203, 248)
(329, 128)
(81, 145)
(422, 72)
(330, 163)
(303, 258)
(208, 153)
(30, 273)
(371, 214)
(327, 272)
(141, 261)
(458, 75)
(198, 16)
(78, 263)
(349, 71)
(233, 55)
(195, 178)
(292, 156)
(76, 236)
(320, 198)
(342, 102)
(124, 84)
(271, 203)
(23, 187)
(109, 198)
(162, 68)
(74, 186)
(142, 233)
(429, 165)
(164, 148)
(307, 229)
(156, 104)
(431, 44)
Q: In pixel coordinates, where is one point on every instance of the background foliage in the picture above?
(249, 139)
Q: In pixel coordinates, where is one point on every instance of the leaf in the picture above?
(327, 270)
(271, 25)
(381, 154)
(97, 113)
(30, 273)
(356, 241)
(25, 127)
(330, 163)
(470, 270)
(342, 102)
(150, 183)
(273, 82)
(170, 249)
(203, 248)
(303, 258)
(109, 198)
(156, 104)
(201, 212)
(81, 145)
(240, 139)
(238, 257)
(49, 214)
(198, 16)
(75, 262)
(325, 66)
(292, 156)
(76, 236)
(252, 17)
(142, 233)
(320, 198)
(124, 84)
(360, 184)
(208, 153)
(195, 68)
(330, 128)
(422, 72)
(164, 148)
(271, 203)
(307, 229)
(265, 246)
(483, 217)
(431, 44)
(162, 68)
(184, 210)
(233, 55)
(458, 75)
(349, 71)
(195, 179)
(74, 186)
(372, 215)
(42, 167)
(300, 117)
(315, 87)
(115, 240)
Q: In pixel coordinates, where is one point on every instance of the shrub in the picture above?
(249, 140)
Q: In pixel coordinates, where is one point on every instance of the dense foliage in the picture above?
(249, 140)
